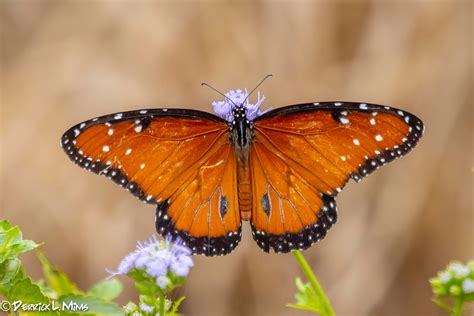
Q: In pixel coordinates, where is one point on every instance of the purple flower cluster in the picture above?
(224, 108)
(157, 257)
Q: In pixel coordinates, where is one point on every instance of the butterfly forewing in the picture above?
(304, 154)
(181, 160)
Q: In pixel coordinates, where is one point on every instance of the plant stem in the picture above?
(458, 307)
(443, 305)
(162, 303)
(314, 282)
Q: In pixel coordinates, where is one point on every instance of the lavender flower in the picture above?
(156, 258)
(157, 266)
(162, 282)
(468, 286)
(224, 108)
(459, 270)
(144, 307)
(126, 264)
(180, 265)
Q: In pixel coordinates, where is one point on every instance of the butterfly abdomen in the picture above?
(245, 189)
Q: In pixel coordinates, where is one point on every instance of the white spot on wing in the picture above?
(118, 116)
(138, 128)
(110, 131)
(105, 148)
(378, 137)
(337, 103)
(143, 111)
(142, 166)
(372, 121)
(343, 158)
(344, 120)
(356, 141)
(363, 106)
(129, 150)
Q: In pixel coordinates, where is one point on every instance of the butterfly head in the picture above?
(236, 106)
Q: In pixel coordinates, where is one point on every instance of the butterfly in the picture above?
(279, 169)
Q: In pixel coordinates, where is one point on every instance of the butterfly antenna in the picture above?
(265, 78)
(211, 87)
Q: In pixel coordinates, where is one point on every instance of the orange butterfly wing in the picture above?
(181, 160)
(303, 155)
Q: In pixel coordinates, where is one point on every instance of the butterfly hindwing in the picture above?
(181, 160)
(302, 157)
(286, 212)
(204, 211)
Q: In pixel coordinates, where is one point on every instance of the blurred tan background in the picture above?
(63, 62)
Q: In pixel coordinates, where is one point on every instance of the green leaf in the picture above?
(469, 297)
(28, 293)
(25, 292)
(11, 236)
(144, 283)
(175, 280)
(304, 307)
(11, 242)
(9, 270)
(84, 304)
(138, 275)
(174, 308)
(5, 225)
(147, 288)
(306, 298)
(106, 289)
(23, 246)
(56, 279)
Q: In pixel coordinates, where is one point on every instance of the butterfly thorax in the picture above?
(241, 134)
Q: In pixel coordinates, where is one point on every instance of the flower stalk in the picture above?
(310, 296)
